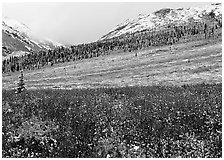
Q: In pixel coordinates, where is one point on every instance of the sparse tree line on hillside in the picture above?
(126, 43)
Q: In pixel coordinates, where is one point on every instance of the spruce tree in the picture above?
(21, 83)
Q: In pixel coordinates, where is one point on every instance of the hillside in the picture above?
(190, 63)
(17, 39)
(163, 18)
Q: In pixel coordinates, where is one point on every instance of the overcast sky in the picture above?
(75, 22)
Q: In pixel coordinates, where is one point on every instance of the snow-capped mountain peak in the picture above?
(20, 27)
(163, 17)
(19, 37)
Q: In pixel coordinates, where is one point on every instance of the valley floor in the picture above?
(187, 63)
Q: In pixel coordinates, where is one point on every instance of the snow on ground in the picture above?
(16, 25)
(23, 33)
(15, 54)
(155, 19)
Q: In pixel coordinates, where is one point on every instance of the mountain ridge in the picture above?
(18, 37)
(163, 17)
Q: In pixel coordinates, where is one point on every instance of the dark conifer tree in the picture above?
(21, 83)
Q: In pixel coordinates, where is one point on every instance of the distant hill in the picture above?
(18, 39)
(164, 17)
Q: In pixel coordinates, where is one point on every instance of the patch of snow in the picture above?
(15, 54)
(28, 48)
(36, 43)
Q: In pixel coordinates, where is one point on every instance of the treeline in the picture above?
(128, 42)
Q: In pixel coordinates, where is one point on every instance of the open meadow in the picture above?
(187, 63)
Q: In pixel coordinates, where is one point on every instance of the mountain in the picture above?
(18, 39)
(164, 17)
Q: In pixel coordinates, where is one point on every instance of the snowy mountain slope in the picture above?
(162, 18)
(17, 36)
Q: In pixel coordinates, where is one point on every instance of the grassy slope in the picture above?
(191, 62)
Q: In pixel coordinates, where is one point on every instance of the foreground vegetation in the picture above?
(152, 121)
